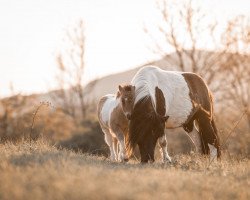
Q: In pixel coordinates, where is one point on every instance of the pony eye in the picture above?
(123, 101)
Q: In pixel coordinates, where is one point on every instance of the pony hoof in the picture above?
(112, 159)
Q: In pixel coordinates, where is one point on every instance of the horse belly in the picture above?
(179, 109)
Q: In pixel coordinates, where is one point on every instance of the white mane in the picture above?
(140, 81)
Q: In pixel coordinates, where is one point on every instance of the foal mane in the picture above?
(126, 88)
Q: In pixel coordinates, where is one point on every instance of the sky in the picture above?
(32, 32)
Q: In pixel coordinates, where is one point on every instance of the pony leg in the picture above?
(115, 148)
(122, 151)
(164, 150)
(109, 141)
(217, 142)
(194, 137)
(209, 136)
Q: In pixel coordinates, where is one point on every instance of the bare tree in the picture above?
(71, 71)
(237, 66)
(186, 29)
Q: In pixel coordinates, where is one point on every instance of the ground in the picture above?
(41, 171)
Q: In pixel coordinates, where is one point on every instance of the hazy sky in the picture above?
(31, 33)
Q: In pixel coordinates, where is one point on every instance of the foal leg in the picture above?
(121, 141)
(109, 141)
(164, 151)
(122, 156)
(115, 148)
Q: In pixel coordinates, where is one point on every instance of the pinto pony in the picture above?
(169, 99)
(113, 117)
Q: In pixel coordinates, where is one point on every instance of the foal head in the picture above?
(127, 99)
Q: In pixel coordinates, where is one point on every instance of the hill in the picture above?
(109, 84)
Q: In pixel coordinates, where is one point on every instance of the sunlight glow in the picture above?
(32, 31)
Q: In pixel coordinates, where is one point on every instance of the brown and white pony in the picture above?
(112, 115)
(170, 99)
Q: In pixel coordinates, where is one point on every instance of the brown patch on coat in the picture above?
(160, 102)
(200, 98)
(118, 121)
(198, 92)
(202, 101)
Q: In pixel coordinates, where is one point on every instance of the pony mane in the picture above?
(127, 88)
(143, 90)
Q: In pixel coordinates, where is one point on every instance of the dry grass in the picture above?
(44, 172)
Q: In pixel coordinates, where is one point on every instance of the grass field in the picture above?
(41, 171)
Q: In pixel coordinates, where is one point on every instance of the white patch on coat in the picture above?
(174, 88)
(110, 104)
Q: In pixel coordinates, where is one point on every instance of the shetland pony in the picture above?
(169, 99)
(113, 117)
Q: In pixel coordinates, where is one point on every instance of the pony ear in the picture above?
(120, 88)
(118, 94)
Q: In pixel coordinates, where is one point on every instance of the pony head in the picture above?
(127, 99)
(145, 127)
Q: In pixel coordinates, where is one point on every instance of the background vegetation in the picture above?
(55, 149)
